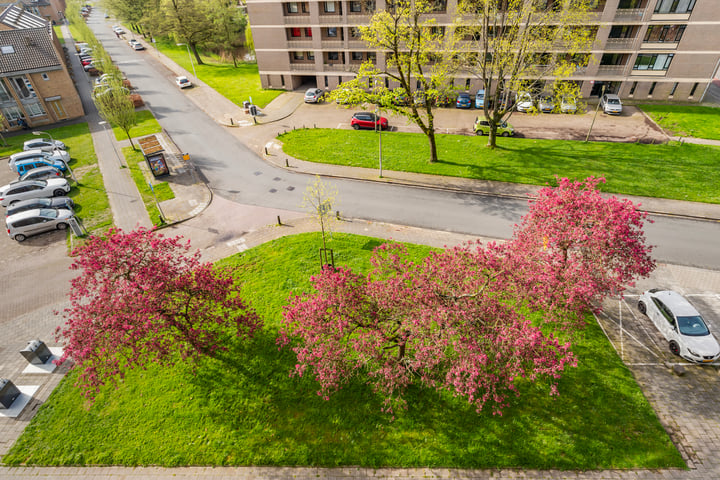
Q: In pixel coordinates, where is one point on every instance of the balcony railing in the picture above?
(299, 43)
(619, 43)
(335, 19)
(297, 19)
(302, 66)
(611, 69)
(336, 67)
(629, 14)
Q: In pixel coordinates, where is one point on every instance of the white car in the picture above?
(44, 144)
(183, 82)
(546, 104)
(611, 104)
(524, 102)
(681, 325)
(568, 105)
(31, 222)
(16, 191)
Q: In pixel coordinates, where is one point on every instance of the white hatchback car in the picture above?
(16, 191)
(44, 144)
(183, 82)
(681, 325)
(611, 104)
(31, 222)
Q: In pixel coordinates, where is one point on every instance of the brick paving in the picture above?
(684, 399)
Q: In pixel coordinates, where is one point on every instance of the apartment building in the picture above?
(643, 49)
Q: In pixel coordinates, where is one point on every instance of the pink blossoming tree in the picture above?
(141, 298)
(452, 322)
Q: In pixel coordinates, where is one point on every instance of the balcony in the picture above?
(648, 73)
(336, 19)
(620, 44)
(629, 14)
(611, 69)
(332, 44)
(300, 44)
(336, 67)
(297, 19)
(659, 45)
(303, 67)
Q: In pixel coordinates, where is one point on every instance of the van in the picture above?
(22, 166)
(31, 222)
(56, 155)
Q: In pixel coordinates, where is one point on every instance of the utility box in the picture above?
(8, 393)
(36, 352)
(154, 155)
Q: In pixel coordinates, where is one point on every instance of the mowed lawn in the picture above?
(686, 120)
(675, 171)
(243, 408)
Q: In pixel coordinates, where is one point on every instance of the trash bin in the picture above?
(8, 393)
(253, 110)
(36, 352)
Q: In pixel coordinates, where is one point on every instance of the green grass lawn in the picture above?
(134, 158)
(59, 34)
(242, 408)
(682, 172)
(687, 120)
(235, 84)
(91, 202)
(146, 125)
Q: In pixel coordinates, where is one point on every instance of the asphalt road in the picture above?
(238, 174)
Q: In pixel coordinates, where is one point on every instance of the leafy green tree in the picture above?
(513, 45)
(116, 107)
(418, 59)
(229, 24)
(189, 22)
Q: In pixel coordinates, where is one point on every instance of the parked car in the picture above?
(183, 82)
(33, 203)
(480, 99)
(89, 67)
(546, 104)
(446, 99)
(611, 104)
(314, 95)
(368, 120)
(463, 100)
(681, 325)
(568, 105)
(24, 166)
(44, 144)
(41, 173)
(14, 192)
(524, 102)
(482, 127)
(137, 46)
(31, 222)
(61, 155)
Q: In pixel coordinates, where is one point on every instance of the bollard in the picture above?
(266, 152)
(337, 214)
(279, 222)
(231, 121)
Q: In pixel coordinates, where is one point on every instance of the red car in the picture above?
(368, 120)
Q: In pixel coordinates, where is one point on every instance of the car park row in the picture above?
(37, 201)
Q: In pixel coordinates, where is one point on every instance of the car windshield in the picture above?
(692, 326)
(48, 213)
(613, 101)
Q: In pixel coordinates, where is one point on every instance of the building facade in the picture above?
(35, 85)
(644, 49)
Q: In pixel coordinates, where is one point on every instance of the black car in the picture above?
(53, 202)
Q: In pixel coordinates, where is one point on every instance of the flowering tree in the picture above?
(140, 298)
(576, 247)
(444, 323)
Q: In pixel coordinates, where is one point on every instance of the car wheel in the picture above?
(479, 132)
(675, 348)
(61, 226)
(642, 308)
(505, 134)
(19, 237)
(356, 126)
(59, 193)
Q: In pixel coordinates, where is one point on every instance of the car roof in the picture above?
(676, 303)
(31, 201)
(23, 215)
(612, 95)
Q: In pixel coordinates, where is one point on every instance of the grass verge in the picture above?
(91, 202)
(235, 84)
(242, 408)
(146, 125)
(134, 158)
(675, 171)
(686, 120)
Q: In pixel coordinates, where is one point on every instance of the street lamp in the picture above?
(41, 133)
(378, 129)
(189, 56)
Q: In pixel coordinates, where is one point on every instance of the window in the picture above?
(295, 32)
(622, 31)
(333, 55)
(13, 112)
(672, 90)
(632, 89)
(298, 56)
(656, 62)
(355, 7)
(612, 59)
(304, 7)
(692, 92)
(371, 56)
(282, 80)
(329, 7)
(630, 4)
(308, 32)
(439, 5)
(292, 7)
(326, 81)
(387, 82)
(674, 6)
(45, 76)
(7, 49)
(358, 56)
(332, 32)
(4, 95)
(664, 33)
(355, 32)
(310, 55)
(652, 88)
(23, 87)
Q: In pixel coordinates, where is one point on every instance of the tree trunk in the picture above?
(197, 55)
(433, 146)
(492, 136)
(127, 133)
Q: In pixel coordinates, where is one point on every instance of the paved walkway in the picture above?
(224, 228)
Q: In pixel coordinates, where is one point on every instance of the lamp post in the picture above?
(378, 128)
(189, 56)
(41, 133)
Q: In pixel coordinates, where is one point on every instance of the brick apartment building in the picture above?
(643, 49)
(35, 84)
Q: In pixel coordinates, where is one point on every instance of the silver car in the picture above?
(611, 104)
(14, 192)
(41, 173)
(682, 326)
(31, 222)
(35, 203)
(44, 144)
(314, 95)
